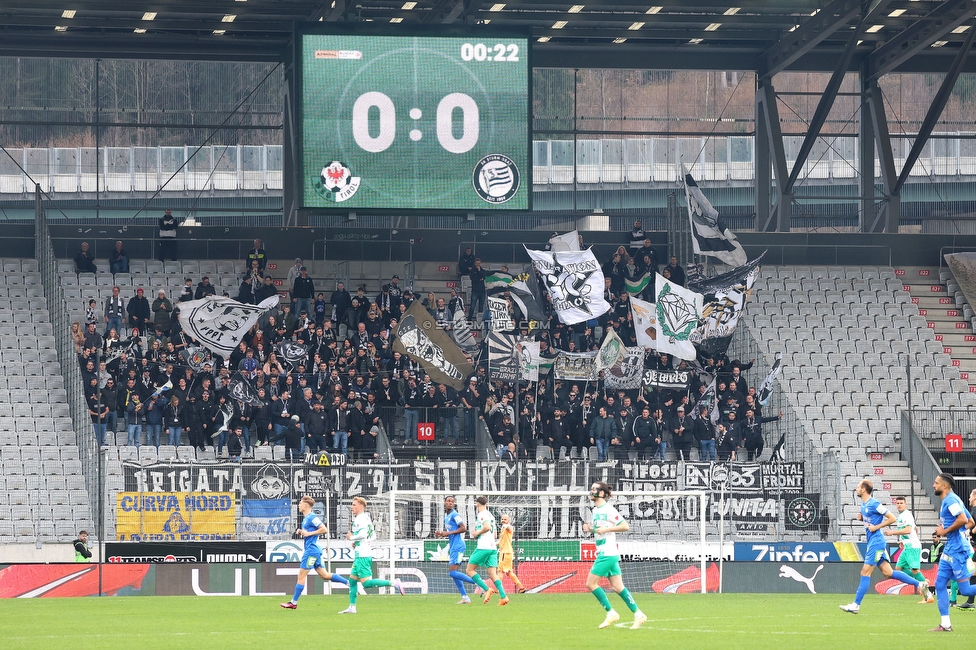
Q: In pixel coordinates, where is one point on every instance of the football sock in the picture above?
(901, 576)
(460, 588)
(376, 583)
(500, 588)
(478, 580)
(338, 578)
(628, 599)
(918, 575)
(298, 592)
(518, 583)
(353, 593)
(953, 591)
(463, 577)
(602, 597)
(942, 596)
(946, 622)
(862, 589)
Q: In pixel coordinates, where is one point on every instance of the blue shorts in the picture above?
(960, 566)
(310, 561)
(456, 557)
(876, 554)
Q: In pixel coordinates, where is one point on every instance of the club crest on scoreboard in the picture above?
(496, 178)
(336, 182)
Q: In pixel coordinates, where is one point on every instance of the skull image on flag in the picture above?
(418, 336)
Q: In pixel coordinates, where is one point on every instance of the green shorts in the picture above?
(484, 557)
(910, 557)
(362, 567)
(606, 566)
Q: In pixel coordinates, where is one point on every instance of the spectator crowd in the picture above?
(141, 371)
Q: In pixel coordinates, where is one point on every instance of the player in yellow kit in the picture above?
(506, 554)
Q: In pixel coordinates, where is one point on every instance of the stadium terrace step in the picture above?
(917, 274)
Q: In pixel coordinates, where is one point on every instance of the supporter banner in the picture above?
(503, 360)
(677, 379)
(638, 285)
(678, 312)
(611, 351)
(193, 552)
(220, 323)
(498, 280)
(501, 320)
(772, 477)
(463, 338)
(766, 387)
(291, 352)
(268, 518)
(524, 292)
(575, 284)
(628, 373)
(250, 480)
(645, 319)
(243, 391)
(575, 366)
(724, 301)
(786, 477)
(169, 516)
(529, 359)
(710, 235)
(565, 243)
(418, 336)
(803, 513)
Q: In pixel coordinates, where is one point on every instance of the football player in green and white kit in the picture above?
(362, 537)
(486, 553)
(911, 546)
(605, 523)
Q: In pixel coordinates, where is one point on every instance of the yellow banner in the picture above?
(175, 516)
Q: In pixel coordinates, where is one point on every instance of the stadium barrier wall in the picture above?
(278, 579)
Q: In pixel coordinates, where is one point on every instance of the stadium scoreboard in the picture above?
(415, 122)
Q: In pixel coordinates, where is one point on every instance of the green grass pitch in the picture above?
(530, 621)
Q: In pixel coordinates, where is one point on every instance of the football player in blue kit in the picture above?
(875, 517)
(454, 529)
(312, 527)
(956, 562)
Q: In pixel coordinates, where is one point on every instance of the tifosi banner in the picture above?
(175, 516)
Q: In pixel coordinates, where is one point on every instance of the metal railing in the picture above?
(823, 469)
(88, 451)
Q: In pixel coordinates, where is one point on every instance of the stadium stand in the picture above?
(846, 335)
(44, 495)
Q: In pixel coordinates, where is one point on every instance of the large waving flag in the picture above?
(645, 322)
(709, 233)
(574, 281)
(418, 336)
(637, 285)
(219, 324)
(725, 298)
(678, 313)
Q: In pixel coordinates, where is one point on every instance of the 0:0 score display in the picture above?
(499, 52)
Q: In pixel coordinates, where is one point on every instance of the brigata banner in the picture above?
(175, 516)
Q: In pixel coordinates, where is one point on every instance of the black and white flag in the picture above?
(574, 281)
(219, 324)
(766, 387)
(628, 373)
(503, 357)
(242, 390)
(709, 233)
(292, 352)
(724, 300)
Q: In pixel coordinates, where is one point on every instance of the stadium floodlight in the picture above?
(664, 550)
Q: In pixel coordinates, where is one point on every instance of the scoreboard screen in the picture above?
(408, 122)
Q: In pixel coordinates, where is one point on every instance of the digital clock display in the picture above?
(415, 122)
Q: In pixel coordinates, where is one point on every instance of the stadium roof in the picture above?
(766, 35)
